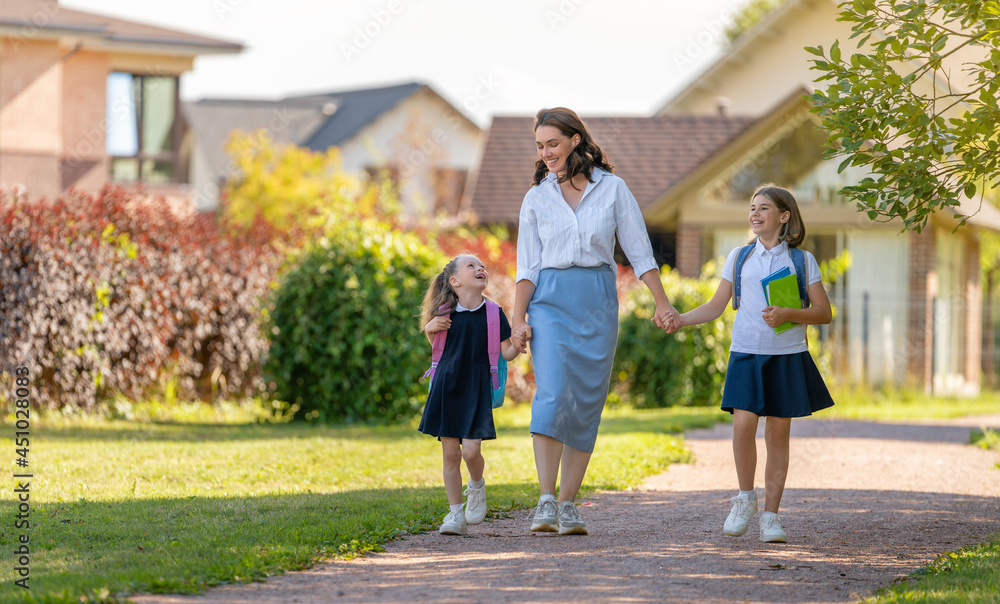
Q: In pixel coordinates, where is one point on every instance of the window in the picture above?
(143, 130)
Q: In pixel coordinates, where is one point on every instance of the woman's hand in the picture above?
(666, 317)
(437, 324)
(521, 334)
(775, 315)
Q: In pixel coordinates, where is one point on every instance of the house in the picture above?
(909, 309)
(87, 99)
(426, 144)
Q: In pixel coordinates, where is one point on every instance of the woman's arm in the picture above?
(712, 309)
(665, 314)
(818, 313)
(523, 291)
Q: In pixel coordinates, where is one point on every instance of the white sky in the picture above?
(507, 57)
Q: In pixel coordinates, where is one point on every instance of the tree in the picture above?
(917, 105)
(751, 14)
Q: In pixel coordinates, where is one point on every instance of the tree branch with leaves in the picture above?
(923, 121)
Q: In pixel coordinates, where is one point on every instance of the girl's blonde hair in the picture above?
(440, 298)
(794, 232)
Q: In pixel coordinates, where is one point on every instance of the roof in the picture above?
(651, 154)
(354, 109)
(316, 121)
(50, 20)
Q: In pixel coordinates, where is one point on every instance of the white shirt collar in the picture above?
(776, 250)
(596, 175)
(460, 308)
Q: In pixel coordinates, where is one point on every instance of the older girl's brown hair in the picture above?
(441, 299)
(586, 156)
(794, 232)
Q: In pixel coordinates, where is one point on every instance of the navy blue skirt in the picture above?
(780, 385)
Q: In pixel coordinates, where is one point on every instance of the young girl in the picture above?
(769, 374)
(459, 410)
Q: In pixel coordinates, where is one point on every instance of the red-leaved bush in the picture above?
(115, 293)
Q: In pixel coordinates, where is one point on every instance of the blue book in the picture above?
(778, 274)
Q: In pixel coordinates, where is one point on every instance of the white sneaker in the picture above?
(570, 522)
(739, 518)
(772, 530)
(475, 504)
(454, 524)
(545, 517)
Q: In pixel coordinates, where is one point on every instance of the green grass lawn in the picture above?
(122, 506)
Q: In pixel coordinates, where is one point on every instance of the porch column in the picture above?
(973, 315)
(920, 327)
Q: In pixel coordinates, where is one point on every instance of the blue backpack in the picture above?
(798, 261)
(498, 364)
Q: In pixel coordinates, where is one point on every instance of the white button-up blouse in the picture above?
(551, 235)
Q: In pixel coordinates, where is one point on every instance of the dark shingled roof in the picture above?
(651, 154)
(316, 121)
(47, 16)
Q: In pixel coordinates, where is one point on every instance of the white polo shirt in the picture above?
(750, 333)
(551, 235)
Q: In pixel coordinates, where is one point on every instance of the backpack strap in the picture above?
(493, 340)
(741, 259)
(437, 345)
(799, 262)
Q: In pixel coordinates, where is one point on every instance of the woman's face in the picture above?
(554, 147)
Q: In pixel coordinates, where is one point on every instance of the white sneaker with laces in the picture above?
(475, 504)
(454, 524)
(570, 522)
(772, 530)
(545, 517)
(739, 517)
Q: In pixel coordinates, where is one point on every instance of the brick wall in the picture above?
(689, 250)
(923, 287)
(84, 161)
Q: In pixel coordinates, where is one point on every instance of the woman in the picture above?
(566, 286)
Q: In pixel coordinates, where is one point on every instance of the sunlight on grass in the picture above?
(123, 506)
(906, 405)
(967, 575)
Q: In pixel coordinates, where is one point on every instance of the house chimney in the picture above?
(722, 104)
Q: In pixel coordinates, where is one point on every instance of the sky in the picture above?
(512, 57)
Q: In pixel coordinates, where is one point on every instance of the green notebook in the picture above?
(783, 292)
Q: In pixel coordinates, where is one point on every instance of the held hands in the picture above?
(520, 335)
(667, 318)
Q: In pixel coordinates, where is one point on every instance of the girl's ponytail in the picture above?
(439, 293)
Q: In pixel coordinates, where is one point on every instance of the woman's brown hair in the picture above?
(586, 156)
(794, 232)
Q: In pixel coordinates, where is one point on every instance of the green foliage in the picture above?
(752, 13)
(917, 105)
(345, 340)
(297, 191)
(688, 368)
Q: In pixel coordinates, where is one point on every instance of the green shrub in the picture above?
(345, 338)
(654, 369)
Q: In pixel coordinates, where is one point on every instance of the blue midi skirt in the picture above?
(574, 330)
(779, 385)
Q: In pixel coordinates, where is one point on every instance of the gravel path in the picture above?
(865, 503)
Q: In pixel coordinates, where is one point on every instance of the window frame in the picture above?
(173, 157)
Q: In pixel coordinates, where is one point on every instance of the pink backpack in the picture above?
(498, 364)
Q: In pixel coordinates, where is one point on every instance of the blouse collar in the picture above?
(460, 308)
